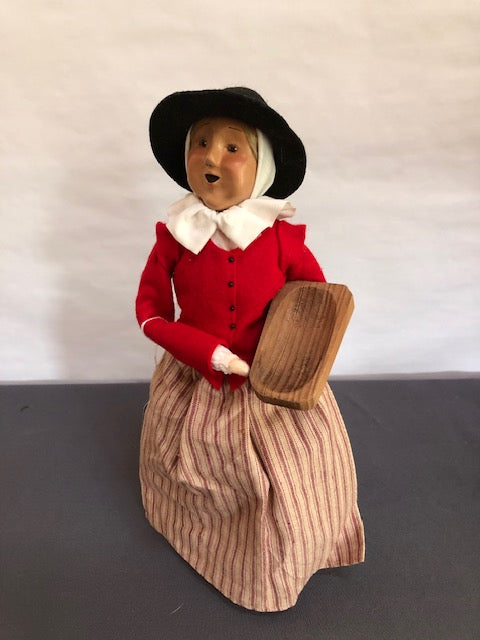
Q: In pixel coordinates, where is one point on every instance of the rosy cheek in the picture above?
(194, 161)
(193, 156)
(235, 163)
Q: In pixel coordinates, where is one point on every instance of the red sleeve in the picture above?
(155, 296)
(296, 259)
(154, 304)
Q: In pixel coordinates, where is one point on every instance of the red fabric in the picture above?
(217, 289)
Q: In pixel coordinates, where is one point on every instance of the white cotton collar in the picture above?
(192, 224)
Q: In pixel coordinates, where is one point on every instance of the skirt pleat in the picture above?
(255, 497)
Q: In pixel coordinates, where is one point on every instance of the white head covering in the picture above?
(265, 164)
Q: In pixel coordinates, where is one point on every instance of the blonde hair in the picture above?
(249, 131)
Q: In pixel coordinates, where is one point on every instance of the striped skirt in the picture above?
(255, 497)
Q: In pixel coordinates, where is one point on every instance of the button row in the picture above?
(232, 284)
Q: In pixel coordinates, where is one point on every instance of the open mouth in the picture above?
(211, 178)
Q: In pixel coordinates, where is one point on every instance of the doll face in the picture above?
(221, 166)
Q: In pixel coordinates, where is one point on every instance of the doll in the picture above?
(255, 497)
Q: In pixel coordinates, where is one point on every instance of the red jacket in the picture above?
(223, 295)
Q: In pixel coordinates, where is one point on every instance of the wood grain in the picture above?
(305, 325)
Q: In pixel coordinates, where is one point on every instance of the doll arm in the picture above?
(191, 346)
(307, 268)
(296, 259)
(155, 311)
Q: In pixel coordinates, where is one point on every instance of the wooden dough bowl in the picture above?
(302, 333)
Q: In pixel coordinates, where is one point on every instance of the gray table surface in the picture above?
(79, 560)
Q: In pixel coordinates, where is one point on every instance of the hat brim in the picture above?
(175, 114)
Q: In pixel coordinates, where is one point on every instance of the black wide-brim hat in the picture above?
(175, 114)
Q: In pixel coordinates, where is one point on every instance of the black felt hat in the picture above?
(175, 114)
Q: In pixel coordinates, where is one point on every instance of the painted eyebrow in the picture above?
(208, 122)
(204, 124)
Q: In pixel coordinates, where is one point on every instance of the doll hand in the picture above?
(238, 366)
(227, 362)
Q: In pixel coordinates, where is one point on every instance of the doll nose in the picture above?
(210, 161)
(212, 157)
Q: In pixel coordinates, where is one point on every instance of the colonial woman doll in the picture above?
(256, 497)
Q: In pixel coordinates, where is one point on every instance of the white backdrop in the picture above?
(384, 94)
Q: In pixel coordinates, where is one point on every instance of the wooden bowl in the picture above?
(299, 342)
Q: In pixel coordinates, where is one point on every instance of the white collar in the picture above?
(193, 224)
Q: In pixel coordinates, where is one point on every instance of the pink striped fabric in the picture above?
(254, 496)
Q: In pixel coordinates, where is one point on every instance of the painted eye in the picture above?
(202, 142)
(232, 148)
